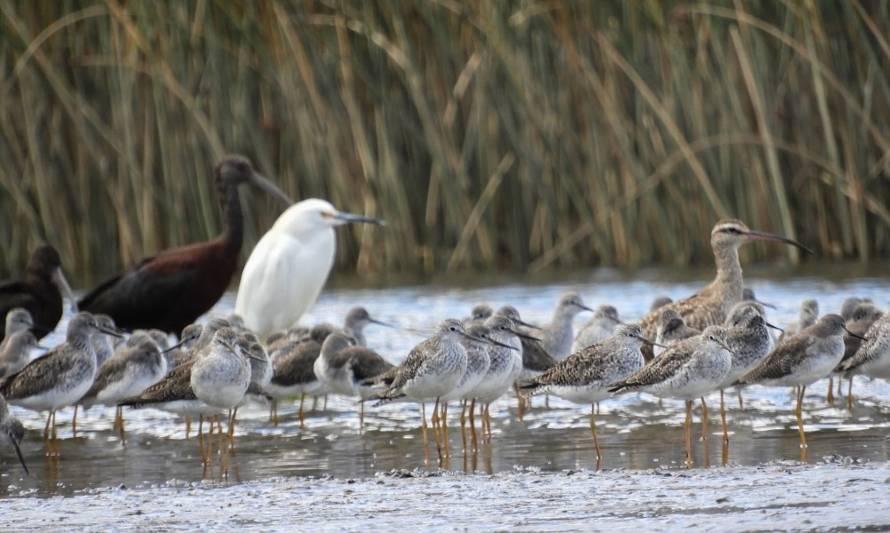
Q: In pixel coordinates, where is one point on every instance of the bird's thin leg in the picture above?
(705, 432)
(688, 428)
(738, 392)
(725, 454)
(840, 387)
(473, 438)
(436, 428)
(849, 394)
(520, 403)
(361, 414)
(463, 424)
(273, 412)
(74, 422)
(303, 399)
(803, 436)
(597, 408)
(488, 420)
(423, 424)
(830, 396)
(444, 422)
(188, 427)
(46, 433)
(55, 435)
(121, 424)
(324, 406)
(596, 442)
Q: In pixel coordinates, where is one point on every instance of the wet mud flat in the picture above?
(834, 495)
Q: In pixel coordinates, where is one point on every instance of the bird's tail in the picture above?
(529, 387)
(385, 397)
(621, 387)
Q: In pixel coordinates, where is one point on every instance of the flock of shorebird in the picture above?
(219, 365)
(118, 352)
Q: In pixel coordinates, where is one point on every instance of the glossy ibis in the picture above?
(172, 289)
(289, 266)
(40, 293)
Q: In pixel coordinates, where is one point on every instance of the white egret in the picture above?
(290, 264)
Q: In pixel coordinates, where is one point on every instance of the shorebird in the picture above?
(859, 324)
(710, 305)
(535, 359)
(658, 302)
(11, 432)
(349, 370)
(801, 360)
(807, 316)
(603, 325)
(293, 374)
(173, 288)
(686, 371)
(873, 357)
(102, 343)
(221, 375)
(17, 319)
(431, 370)
(478, 362)
(260, 369)
(671, 330)
(356, 320)
(849, 305)
(505, 366)
(40, 292)
(478, 314)
(289, 265)
(61, 377)
(126, 375)
(586, 376)
(188, 343)
(749, 341)
(15, 352)
(557, 336)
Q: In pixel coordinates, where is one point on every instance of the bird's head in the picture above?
(18, 319)
(46, 265)
(571, 304)
(732, 233)
(235, 170)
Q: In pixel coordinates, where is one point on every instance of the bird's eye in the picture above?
(452, 328)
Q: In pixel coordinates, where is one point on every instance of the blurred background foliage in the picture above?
(516, 135)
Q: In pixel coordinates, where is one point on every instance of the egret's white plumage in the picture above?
(289, 265)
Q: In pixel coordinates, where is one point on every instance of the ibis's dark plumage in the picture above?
(40, 292)
(172, 289)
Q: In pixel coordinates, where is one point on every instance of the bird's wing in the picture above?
(176, 386)
(295, 367)
(34, 378)
(110, 371)
(408, 369)
(269, 296)
(781, 361)
(148, 289)
(535, 357)
(659, 369)
(366, 363)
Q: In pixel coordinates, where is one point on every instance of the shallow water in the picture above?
(635, 431)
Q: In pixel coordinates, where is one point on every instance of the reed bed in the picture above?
(515, 135)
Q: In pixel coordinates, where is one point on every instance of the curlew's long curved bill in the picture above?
(61, 283)
(265, 184)
(350, 218)
(21, 458)
(763, 236)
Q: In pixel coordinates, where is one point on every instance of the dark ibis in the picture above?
(172, 289)
(40, 293)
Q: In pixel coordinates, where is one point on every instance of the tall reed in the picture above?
(520, 135)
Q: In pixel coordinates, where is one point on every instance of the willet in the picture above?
(289, 265)
(357, 319)
(671, 330)
(603, 325)
(172, 289)
(801, 360)
(293, 374)
(11, 432)
(859, 323)
(349, 370)
(686, 371)
(586, 376)
(557, 336)
(40, 292)
(431, 370)
(710, 305)
(59, 378)
(15, 352)
(658, 302)
(126, 375)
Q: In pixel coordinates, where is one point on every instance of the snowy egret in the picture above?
(290, 264)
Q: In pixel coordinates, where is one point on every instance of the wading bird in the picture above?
(40, 293)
